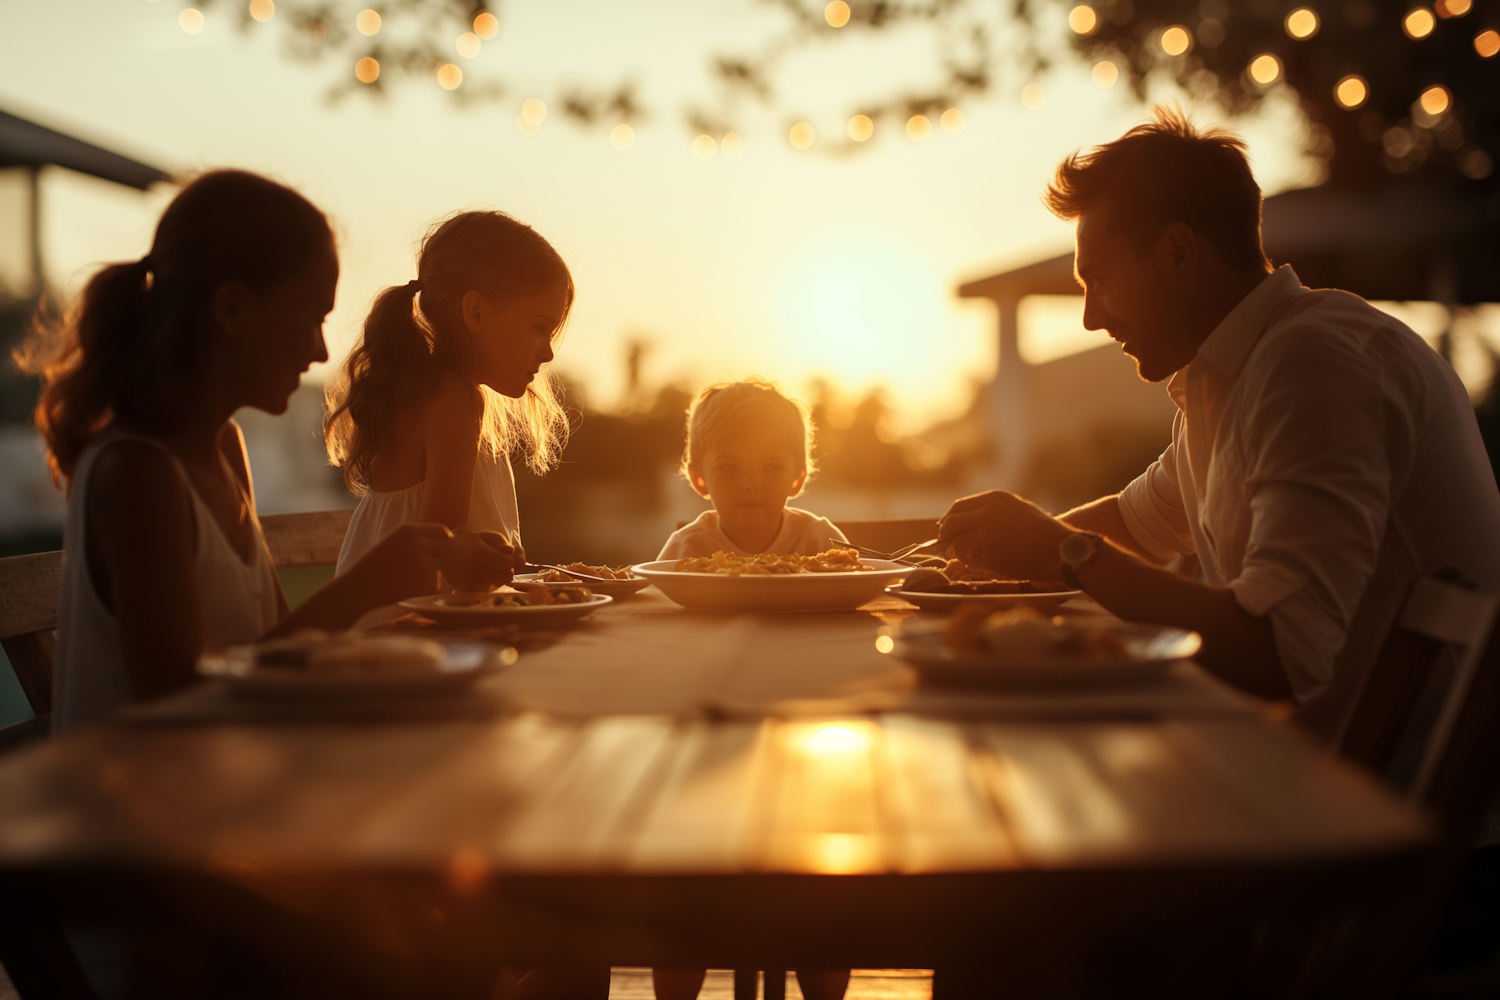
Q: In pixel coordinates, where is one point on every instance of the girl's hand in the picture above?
(481, 560)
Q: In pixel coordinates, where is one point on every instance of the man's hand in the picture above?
(481, 560)
(1002, 532)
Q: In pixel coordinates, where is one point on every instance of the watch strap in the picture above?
(1069, 569)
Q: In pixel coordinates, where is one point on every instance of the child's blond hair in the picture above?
(726, 407)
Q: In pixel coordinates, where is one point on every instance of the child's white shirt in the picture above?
(801, 533)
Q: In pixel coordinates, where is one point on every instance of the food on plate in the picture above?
(766, 564)
(606, 572)
(1023, 632)
(933, 581)
(316, 651)
(536, 596)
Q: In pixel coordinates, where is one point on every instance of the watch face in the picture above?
(1076, 548)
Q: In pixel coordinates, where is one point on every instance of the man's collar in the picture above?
(1237, 334)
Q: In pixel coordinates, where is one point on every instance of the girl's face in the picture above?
(510, 340)
(749, 474)
(275, 336)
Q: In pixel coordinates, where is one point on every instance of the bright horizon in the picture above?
(788, 264)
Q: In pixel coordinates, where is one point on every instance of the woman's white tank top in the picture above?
(237, 601)
(492, 507)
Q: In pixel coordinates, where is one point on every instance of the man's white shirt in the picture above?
(1315, 438)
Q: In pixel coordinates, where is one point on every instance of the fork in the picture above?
(533, 567)
(899, 554)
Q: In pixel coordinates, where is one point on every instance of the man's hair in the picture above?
(724, 409)
(1163, 171)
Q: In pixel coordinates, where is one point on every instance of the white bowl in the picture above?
(781, 592)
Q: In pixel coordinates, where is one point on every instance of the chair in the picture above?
(311, 538)
(30, 587)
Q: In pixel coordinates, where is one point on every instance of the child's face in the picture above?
(509, 340)
(749, 474)
(272, 338)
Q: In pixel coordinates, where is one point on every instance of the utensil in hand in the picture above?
(899, 554)
(538, 567)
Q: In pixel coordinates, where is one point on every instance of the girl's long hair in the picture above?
(138, 338)
(410, 343)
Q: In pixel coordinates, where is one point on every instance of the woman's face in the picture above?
(275, 336)
(510, 339)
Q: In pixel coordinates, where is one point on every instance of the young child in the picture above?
(165, 557)
(445, 383)
(749, 450)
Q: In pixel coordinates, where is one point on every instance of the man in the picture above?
(1322, 458)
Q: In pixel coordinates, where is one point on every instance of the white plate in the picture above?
(949, 602)
(465, 662)
(618, 589)
(1152, 649)
(804, 592)
(449, 609)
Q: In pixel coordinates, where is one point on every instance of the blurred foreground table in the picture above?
(1058, 846)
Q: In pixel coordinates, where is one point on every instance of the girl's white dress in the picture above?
(492, 507)
(237, 600)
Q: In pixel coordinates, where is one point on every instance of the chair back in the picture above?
(30, 589)
(308, 538)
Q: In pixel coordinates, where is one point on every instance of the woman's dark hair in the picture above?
(1164, 171)
(137, 338)
(409, 344)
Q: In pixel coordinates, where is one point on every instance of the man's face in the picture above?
(1129, 294)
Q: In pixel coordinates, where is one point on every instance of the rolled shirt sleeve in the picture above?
(1151, 507)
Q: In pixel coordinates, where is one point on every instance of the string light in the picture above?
(1106, 74)
(1302, 23)
(836, 14)
(367, 70)
(802, 135)
(534, 111)
(262, 10)
(1418, 23)
(918, 128)
(704, 148)
(1176, 40)
(1453, 8)
(1034, 96)
(1436, 100)
(368, 22)
(190, 20)
(1487, 43)
(622, 137)
(1265, 69)
(449, 76)
(1351, 92)
(861, 127)
(486, 25)
(1083, 19)
(953, 121)
(467, 45)
(733, 145)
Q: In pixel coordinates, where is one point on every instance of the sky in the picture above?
(789, 264)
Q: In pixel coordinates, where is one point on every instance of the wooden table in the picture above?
(709, 826)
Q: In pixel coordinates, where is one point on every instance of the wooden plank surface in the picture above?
(30, 586)
(309, 538)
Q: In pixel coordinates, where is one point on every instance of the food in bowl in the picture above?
(967, 581)
(766, 564)
(605, 572)
(1024, 632)
(535, 596)
(317, 652)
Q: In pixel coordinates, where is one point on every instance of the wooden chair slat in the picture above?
(30, 588)
(32, 657)
(24, 733)
(309, 538)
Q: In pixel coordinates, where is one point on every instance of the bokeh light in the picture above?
(534, 111)
(884, 643)
(861, 127)
(467, 45)
(622, 137)
(953, 121)
(367, 70)
(449, 76)
(1476, 164)
(1487, 43)
(704, 148)
(190, 20)
(262, 10)
(835, 741)
(1351, 91)
(1176, 40)
(1436, 100)
(1397, 142)
(1106, 74)
(1302, 23)
(1083, 20)
(733, 145)
(1453, 8)
(486, 25)
(918, 128)
(802, 135)
(368, 22)
(1034, 96)
(1418, 22)
(1265, 69)
(836, 13)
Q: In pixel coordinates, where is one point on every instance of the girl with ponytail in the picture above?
(165, 557)
(447, 383)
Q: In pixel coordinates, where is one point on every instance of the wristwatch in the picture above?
(1075, 552)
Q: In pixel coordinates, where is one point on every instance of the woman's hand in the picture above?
(1002, 532)
(482, 560)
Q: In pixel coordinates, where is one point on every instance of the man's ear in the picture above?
(472, 308)
(1178, 251)
(229, 305)
(696, 480)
